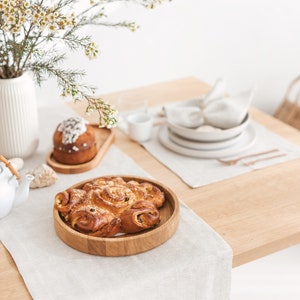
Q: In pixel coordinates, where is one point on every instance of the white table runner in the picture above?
(194, 264)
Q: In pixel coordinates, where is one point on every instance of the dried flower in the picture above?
(29, 27)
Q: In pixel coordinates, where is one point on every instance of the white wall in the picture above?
(250, 42)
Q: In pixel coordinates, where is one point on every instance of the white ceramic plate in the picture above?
(209, 136)
(187, 143)
(244, 143)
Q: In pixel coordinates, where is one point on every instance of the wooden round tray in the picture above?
(128, 244)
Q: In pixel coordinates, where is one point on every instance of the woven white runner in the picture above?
(195, 263)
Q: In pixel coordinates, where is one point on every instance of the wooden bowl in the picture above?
(122, 245)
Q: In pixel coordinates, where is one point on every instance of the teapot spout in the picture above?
(23, 190)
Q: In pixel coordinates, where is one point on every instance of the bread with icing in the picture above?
(74, 142)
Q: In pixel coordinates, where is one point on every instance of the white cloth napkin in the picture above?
(214, 109)
(195, 263)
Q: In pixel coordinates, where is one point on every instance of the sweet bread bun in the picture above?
(66, 200)
(140, 216)
(106, 206)
(74, 142)
(93, 220)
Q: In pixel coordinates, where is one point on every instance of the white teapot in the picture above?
(13, 190)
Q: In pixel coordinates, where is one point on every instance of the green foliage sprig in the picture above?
(31, 31)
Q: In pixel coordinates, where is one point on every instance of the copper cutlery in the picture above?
(253, 162)
(236, 160)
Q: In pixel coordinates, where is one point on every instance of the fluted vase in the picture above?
(19, 135)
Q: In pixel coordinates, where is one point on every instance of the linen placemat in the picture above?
(195, 263)
(197, 172)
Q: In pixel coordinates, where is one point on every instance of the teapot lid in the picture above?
(10, 167)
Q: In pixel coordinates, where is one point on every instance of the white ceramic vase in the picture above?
(19, 136)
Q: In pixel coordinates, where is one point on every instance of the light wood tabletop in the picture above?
(257, 213)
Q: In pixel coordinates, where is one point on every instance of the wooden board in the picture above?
(104, 138)
(128, 244)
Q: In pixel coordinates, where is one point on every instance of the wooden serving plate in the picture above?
(104, 138)
(123, 245)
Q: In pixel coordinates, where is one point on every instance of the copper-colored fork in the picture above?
(253, 162)
(236, 160)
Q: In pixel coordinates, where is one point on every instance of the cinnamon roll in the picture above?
(66, 200)
(94, 220)
(140, 216)
(101, 182)
(116, 198)
(154, 194)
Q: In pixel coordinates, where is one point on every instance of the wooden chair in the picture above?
(289, 110)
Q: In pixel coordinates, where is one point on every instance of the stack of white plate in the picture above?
(207, 142)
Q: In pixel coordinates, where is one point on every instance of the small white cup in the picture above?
(140, 126)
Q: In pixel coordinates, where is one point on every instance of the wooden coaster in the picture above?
(104, 138)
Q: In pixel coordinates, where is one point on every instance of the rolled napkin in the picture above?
(218, 91)
(215, 109)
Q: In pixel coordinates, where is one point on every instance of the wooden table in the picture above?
(257, 213)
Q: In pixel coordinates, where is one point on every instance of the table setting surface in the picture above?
(53, 270)
(224, 205)
(252, 213)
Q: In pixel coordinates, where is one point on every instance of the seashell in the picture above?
(43, 176)
(17, 163)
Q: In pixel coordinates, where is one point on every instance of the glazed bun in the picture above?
(74, 142)
(106, 206)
